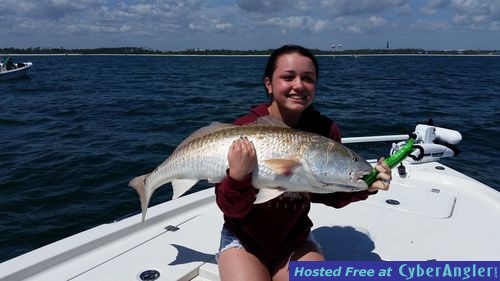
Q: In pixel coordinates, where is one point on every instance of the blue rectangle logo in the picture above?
(394, 270)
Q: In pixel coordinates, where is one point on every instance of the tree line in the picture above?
(225, 52)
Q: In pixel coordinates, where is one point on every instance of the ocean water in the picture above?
(78, 128)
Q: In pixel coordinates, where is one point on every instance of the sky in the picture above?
(251, 24)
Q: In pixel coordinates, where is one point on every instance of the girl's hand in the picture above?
(384, 176)
(242, 158)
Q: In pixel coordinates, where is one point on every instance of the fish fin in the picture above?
(282, 167)
(180, 186)
(266, 194)
(268, 120)
(138, 184)
(203, 131)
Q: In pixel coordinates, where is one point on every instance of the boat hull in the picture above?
(15, 73)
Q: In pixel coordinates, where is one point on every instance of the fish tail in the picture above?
(138, 184)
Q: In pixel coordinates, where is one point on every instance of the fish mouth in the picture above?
(357, 176)
(356, 182)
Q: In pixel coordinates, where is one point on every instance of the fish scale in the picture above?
(287, 160)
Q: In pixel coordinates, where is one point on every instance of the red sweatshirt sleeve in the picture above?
(235, 198)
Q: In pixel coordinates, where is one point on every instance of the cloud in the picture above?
(211, 26)
(477, 15)
(304, 23)
(337, 8)
(360, 25)
(47, 9)
(164, 23)
(141, 17)
(84, 28)
(432, 25)
(341, 8)
(266, 6)
(301, 15)
(434, 6)
(376, 21)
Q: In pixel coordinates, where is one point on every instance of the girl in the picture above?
(258, 240)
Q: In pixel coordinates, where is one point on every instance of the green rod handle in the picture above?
(392, 161)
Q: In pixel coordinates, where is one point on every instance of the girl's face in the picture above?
(293, 83)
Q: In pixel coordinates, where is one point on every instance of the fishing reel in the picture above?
(431, 144)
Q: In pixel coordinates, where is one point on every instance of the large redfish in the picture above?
(287, 160)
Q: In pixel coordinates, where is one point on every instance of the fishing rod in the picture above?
(394, 159)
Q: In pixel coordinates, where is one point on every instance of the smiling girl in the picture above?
(258, 240)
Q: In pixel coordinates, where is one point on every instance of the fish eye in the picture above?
(355, 158)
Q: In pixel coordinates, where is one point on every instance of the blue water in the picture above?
(78, 128)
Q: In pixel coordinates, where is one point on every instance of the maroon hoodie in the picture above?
(276, 228)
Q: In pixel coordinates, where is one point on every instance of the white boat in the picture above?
(432, 212)
(20, 70)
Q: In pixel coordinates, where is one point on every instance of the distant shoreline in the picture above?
(248, 55)
(140, 51)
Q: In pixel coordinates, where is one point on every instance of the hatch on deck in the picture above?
(426, 201)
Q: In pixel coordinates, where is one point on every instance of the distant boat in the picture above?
(19, 70)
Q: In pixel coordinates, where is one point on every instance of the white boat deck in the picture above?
(442, 215)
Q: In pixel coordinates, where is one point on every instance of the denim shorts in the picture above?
(229, 240)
